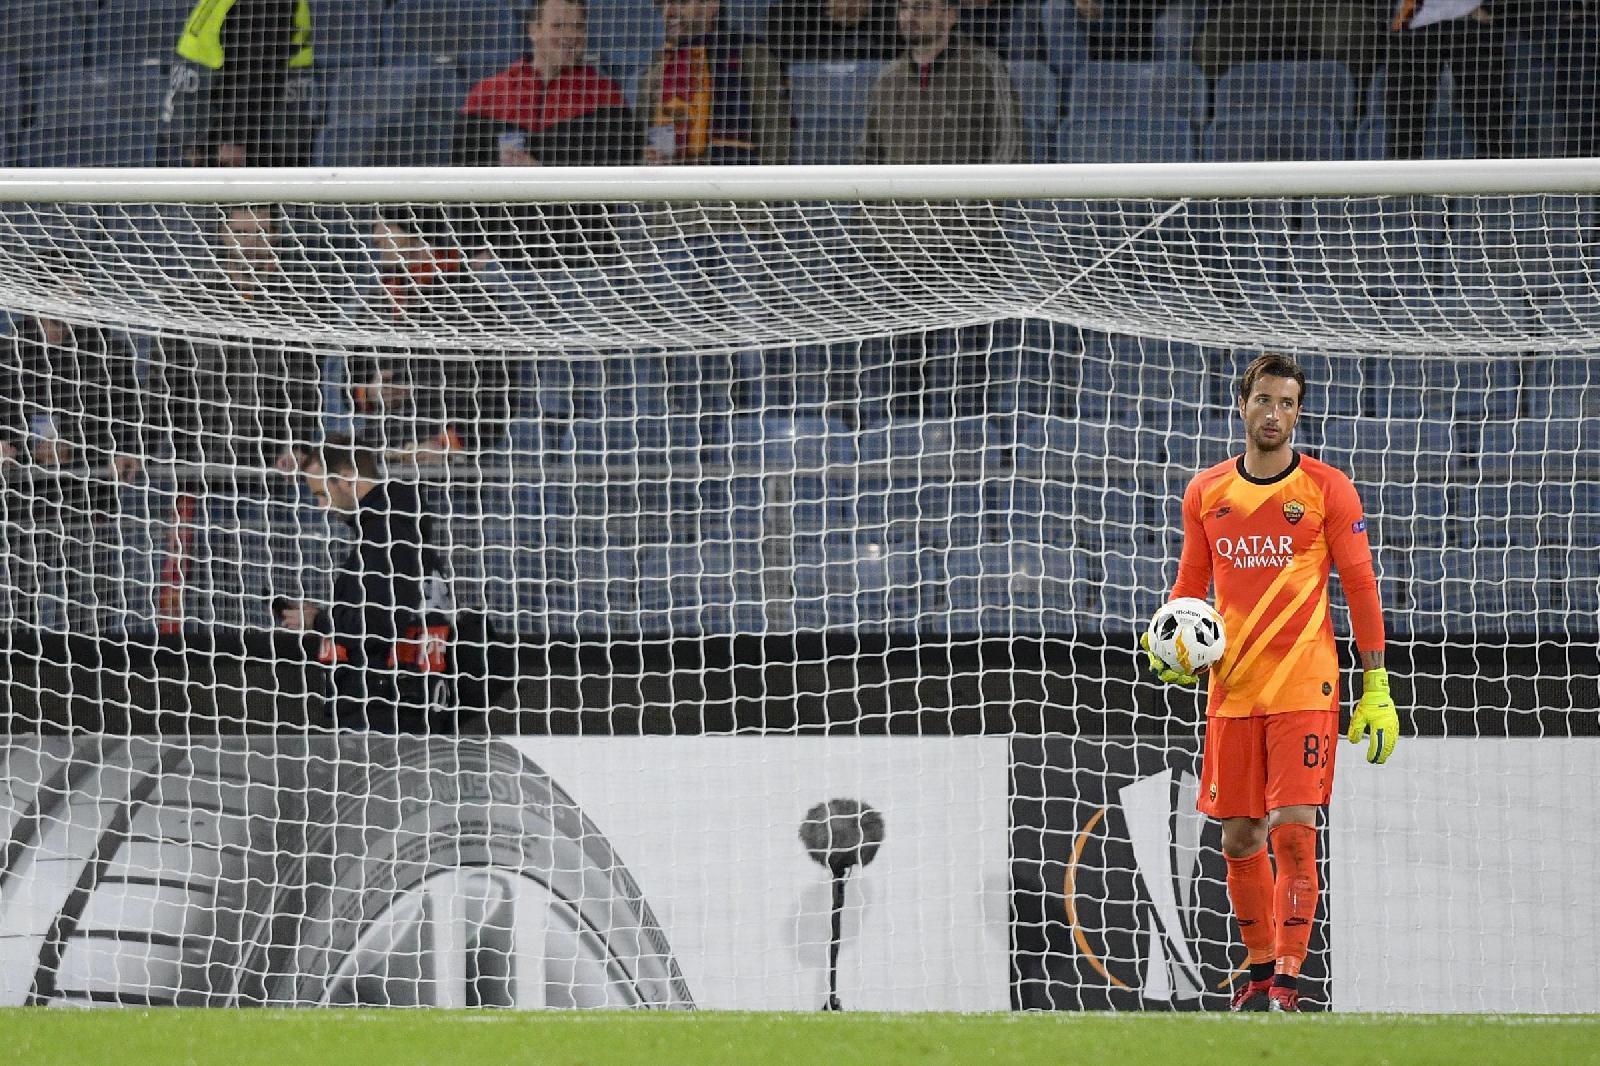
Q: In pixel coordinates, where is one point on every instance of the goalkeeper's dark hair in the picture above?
(1272, 365)
(339, 456)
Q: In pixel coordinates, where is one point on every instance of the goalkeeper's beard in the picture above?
(1269, 445)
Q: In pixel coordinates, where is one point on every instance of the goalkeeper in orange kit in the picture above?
(1266, 527)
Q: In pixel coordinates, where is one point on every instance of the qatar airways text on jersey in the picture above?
(1255, 550)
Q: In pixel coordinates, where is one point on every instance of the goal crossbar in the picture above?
(1079, 181)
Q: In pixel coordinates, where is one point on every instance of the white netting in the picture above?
(797, 541)
(1418, 274)
(881, 493)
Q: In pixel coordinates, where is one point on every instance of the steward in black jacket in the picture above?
(387, 630)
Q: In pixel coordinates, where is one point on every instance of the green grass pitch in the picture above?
(471, 1038)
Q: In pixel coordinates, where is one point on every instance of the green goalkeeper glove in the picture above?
(1162, 671)
(1375, 712)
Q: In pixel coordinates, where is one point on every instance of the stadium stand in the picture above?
(13, 112)
(402, 115)
(1319, 88)
(626, 34)
(131, 31)
(1173, 91)
(1040, 103)
(1268, 136)
(106, 116)
(1111, 140)
(829, 102)
(46, 35)
(997, 545)
(479, 36)
(348, 33)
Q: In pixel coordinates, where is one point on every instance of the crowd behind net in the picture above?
(907, 465)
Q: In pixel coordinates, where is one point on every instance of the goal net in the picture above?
(795, 550)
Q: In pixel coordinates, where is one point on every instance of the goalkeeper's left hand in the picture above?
(1170, 674)
(1375, 712)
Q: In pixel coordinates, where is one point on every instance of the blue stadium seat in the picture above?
(108, 116)
(347, 33)
(626, 34)
(1317, 87)
(47, 35)
(1065, 43)
(13, 111)
(1175, 28)
(479, 36)
(830, 107)
(130, 31)
(748, 15)
(1037, 95)
(1125, 141)
(1266, 137)
(1137, 91)
(400, 116)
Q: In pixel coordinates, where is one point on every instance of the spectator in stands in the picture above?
(246, 403)
(1250, 31)
(410, 403)
(832, 31)
(945, 100)
(714, 95)
(241, 93)
(70, 401)
(1470, 41)
(551, 107)
(70, 431)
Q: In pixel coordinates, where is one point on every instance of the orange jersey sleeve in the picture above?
(1346, 530)
(1268, 546)
(1194, 565)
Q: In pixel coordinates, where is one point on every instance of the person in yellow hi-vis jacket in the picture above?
(241, 88)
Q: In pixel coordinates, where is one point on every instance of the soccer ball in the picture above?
(1187, 635)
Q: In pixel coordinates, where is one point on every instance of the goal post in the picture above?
(796, 525)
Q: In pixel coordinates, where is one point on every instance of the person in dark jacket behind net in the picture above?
(387, 628)
(551, 108)
(241, 92)
(70, 397)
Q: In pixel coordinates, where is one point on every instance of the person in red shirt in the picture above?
(551, 108)
(1266, 528)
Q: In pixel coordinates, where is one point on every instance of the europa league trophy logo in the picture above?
(841, 834)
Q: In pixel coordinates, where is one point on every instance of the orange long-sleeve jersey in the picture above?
(1269, 545)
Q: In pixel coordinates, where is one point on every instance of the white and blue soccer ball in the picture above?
(1187, 635)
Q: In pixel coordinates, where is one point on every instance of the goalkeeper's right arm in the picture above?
(1194, 579)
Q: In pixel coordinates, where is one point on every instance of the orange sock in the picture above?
(1250, 889)
(1295, 849)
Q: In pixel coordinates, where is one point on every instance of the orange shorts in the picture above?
(1255, 765)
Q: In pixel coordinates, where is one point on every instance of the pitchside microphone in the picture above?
(841, 834)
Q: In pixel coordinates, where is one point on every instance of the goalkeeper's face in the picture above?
(1270, 412)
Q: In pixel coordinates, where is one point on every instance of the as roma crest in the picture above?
(1293, 511)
